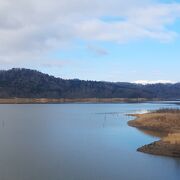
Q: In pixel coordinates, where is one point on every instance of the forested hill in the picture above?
(25, 83)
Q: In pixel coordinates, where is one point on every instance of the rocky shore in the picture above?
(161, 148)
(166, 121)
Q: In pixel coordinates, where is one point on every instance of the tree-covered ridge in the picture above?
(26, 83)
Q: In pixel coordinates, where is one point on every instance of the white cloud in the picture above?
(140, 22)
(153, 82)
(33, 28)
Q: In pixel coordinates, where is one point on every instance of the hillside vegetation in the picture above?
(26, 83)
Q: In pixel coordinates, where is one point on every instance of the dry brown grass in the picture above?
(172, 138)
(72, 100)
(167, 120)
(163, 120)
(167, 110)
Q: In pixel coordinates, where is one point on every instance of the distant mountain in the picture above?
(26, 83)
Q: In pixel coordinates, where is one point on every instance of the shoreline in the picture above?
(72, 100)
(166, 122)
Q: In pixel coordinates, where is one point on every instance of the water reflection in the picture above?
(153, 133)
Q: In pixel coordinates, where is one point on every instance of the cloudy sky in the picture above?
(112, 40)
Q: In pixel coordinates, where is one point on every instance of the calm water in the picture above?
(78, 142)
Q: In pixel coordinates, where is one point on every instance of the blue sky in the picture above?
(139, 60)
(112, 41)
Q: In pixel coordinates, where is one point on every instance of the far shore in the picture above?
(166, 122)
(72, 100)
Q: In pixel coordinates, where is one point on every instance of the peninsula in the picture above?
(166, 121)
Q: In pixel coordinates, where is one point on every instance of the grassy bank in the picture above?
(166, 121)
(74, 100)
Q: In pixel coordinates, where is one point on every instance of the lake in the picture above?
(78, 142)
